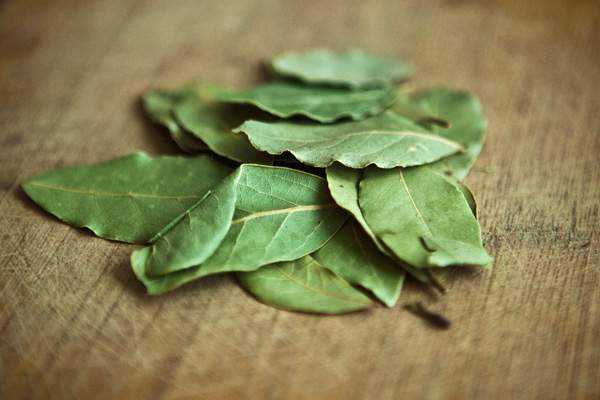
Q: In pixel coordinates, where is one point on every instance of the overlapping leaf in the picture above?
(303, 285)
(386, 140)
(416, 211)
(343, 184)
(160, 104)
(280, 230)
(259, 215)
(323, 104)
(355, 68)
(212, 123)
(469, 196)
(463, 113)
(352, 255)
(128, 199)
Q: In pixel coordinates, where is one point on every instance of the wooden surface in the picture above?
(74, 323)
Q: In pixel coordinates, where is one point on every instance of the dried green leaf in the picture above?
(355, 68)
(159, 105)
(469, 196)
(404, 207)
(352, 255)
(322, 104)
(454, 252)
(386, 140)
(405, 107)
(464, 115)
(212, 123)
(303, 285)
(343, 184)
(257, 216)
(128, 199)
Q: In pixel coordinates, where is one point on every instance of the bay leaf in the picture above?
(322, 104)
(454, 252)
(159, 106)
(343, 185)
(259, 215)
(462, 110)
(386, 140)
(213, 122)
(405, 207)
(303, 285)
(354, 68)
(352, 255)
(469, 196)
(127, 199)
(406, 107)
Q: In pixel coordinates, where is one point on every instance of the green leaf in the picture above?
(405, 206)
(343, 184)
(452, 252)
(257, 216)
(212, 123)
(355, 69)
(159, 105)
(323, 104)
(469, 196)
(404, 106)
(128, 199)
(386, 140)
(463, 112)
(303, 285)
(352, 255)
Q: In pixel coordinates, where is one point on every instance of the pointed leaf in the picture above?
(355, 69)
(404, 206)
(279, 214)
(352, 255)
(406, 107)
(452, 252)
(159, 105)
(128, 199)
(212, 123)
(469, 196)
(303, 285)
(322, 104)
(463, 112)
(386, 140)
(343, 184)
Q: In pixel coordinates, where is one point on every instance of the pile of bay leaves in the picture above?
(316, 188)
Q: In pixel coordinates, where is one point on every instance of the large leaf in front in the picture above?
(212, 123)
(386, 140)
(354, 68)
(322, 104)
(159, 106)
(343, 185)
(258, 215)
(128, 199)
(416, 211)
(303, 285)
(464, 115)
(352, 255)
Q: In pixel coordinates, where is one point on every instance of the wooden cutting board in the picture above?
(75, 324)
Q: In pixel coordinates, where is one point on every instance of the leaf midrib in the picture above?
(108, 194)
(374, 132)
(288, 210)
(412, 200)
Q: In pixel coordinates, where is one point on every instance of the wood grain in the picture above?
(74, 323)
